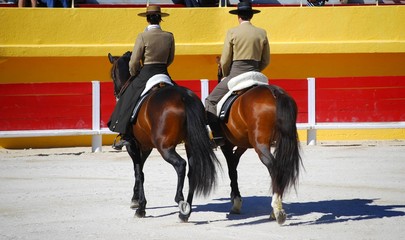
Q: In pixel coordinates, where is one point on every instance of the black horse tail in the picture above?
(202, 160)
(286, 167)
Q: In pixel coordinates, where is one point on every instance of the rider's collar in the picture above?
(152, 26)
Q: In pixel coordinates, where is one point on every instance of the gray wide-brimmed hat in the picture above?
(244, 7)
(153, 10)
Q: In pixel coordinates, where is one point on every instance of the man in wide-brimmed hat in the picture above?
(162, 49)
(246, 48)
(153, 52)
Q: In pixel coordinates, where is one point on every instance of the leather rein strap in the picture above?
(126, 84)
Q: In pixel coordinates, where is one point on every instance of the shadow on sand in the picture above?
(330, 211)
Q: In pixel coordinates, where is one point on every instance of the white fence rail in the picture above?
(96, 132)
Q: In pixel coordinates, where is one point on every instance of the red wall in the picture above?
(298, 89)
(360, 99)
(40, 106)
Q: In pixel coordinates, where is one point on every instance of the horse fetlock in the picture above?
(134, 204)
(179, 198)
(236, 205)
(183, 218)
(276, 202)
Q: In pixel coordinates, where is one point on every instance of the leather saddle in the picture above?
(237, 86)
(155, 82)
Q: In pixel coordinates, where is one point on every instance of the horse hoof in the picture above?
(184, 218)
(280, 217)
(235, 211)
(237, 205)
(140, 213)
(134, 204)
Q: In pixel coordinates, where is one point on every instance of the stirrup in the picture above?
(219, 141)
(215, 141)
(120, 144)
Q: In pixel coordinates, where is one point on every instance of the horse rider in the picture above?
(246, 48)
(153, 52)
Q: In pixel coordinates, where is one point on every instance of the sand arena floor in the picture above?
(347, 191)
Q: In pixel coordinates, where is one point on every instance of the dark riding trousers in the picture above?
(237, 68)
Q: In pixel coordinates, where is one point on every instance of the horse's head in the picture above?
(119, 71)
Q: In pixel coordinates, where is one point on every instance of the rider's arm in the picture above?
(137, 56)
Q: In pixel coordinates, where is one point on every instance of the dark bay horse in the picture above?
(262, 118)
(169, 115)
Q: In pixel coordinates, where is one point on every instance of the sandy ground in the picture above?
(347, 191)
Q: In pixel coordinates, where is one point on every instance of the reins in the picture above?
(125, 86)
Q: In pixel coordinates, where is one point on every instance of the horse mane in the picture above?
(127, 54)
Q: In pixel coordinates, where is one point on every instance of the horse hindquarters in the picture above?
(178, 115)
(185, 120)
(276, 126)
(270, 115)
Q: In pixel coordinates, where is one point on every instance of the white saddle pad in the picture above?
(156, 79)
(243, 81)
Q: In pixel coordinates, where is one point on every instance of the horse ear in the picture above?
(111, 58)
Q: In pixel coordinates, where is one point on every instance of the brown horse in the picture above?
(263, 117)
(168, 116)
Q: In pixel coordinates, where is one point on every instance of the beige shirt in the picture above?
(245, 42)
(154, 46)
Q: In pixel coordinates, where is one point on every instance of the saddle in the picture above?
(237, 86)
(155, 82)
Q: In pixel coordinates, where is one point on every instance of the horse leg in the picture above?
(268, 159)
(232, 160)
(135, 196)
(185, 206)
(138, 199)
(179, 164)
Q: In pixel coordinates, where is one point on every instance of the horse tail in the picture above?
(286, 166)
(201, 157)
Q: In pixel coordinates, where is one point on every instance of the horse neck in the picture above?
(120, 75)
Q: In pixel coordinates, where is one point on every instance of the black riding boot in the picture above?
(216, 130)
